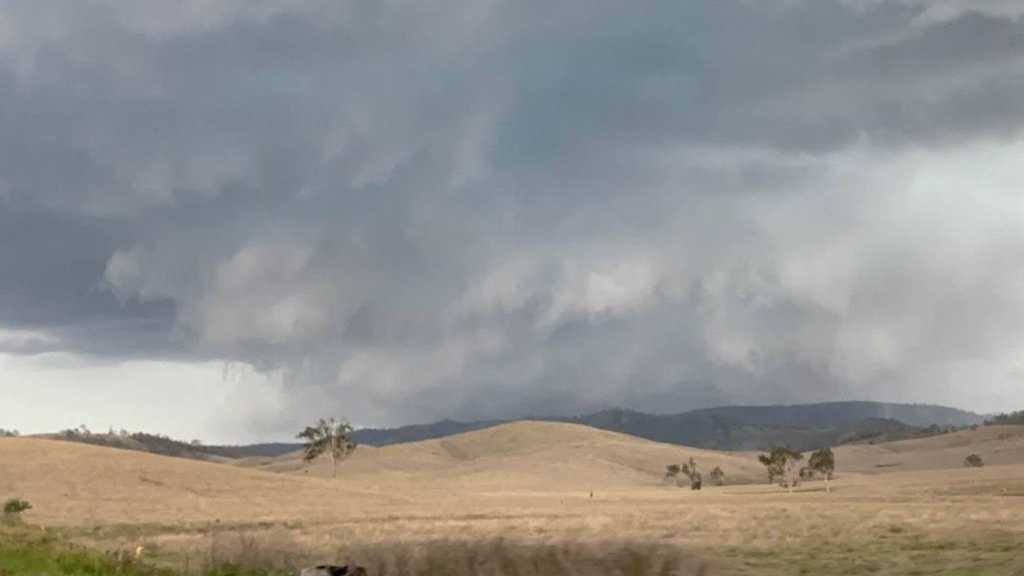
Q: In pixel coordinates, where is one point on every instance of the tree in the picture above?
(717, 476)
(781, 462)
(690, 471)
(672, 471)
(8, 433)
(330, 437)
(823, 462)
(16, 506)
(772, 465)
(792, 469)
(973, 461)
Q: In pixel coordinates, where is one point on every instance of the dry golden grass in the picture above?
(529, 484)
(522, 456)
(997, 445)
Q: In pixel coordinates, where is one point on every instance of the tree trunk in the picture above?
(334, 465)
(827, 489)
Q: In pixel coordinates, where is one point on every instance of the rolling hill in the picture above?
(531, 482)
(802, 427)
(528, 454)
(997, 445)
(74, 483)
(550, 455)
(69, 482)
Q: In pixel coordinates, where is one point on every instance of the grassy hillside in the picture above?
(78, 483)
(801, 427)
(517, 496)
(558, 455)
(527, 454)
(997, 446)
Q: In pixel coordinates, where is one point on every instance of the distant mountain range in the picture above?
(800, 427)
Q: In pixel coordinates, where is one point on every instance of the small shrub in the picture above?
(973, 461)
(16, 506)
(717, 476)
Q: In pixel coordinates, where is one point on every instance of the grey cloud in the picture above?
(495, 208)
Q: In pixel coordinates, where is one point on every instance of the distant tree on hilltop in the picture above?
(328, 437)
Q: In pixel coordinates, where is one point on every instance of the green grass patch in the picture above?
(23, 552)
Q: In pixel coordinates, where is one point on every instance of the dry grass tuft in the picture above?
(271, 551)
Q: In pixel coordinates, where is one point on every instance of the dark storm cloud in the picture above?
(495, 208)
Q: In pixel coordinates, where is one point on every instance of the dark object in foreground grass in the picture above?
(332, 570)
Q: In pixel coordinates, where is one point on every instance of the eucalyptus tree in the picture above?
(329, 437)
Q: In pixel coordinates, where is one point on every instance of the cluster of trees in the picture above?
(8, 433)
(690, 471)
(784, 465)
(155, 443)
(1016, 418)
(327, 437)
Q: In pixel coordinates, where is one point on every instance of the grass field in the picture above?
(523, 493)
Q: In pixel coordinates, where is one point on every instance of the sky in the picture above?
(222, 219)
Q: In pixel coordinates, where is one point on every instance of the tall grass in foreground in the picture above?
(23, 553)
(276, 551)
(498, 557)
